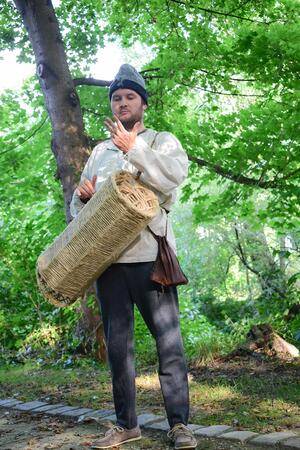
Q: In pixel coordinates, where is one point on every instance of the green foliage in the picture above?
(11, 34)
(295, 328)
(81, 25)
(46, 336)
(226, 84)
(95, 108)
(31, 216)
(202, 340)
(223, 290)
(83, 31)
(223, 77)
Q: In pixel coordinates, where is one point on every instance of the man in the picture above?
(162, 164)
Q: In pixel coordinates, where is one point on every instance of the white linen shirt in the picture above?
(163, 165)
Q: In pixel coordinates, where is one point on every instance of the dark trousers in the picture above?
(118, 288)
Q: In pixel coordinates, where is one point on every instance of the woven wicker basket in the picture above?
(107, 224)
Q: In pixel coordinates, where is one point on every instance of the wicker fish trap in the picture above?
(107, 224)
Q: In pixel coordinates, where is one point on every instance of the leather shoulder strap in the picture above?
(154, 139)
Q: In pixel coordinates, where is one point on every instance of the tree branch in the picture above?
(291, 174)
(231, 176)
(222, 93)
(240, 253)
(149, 70)
(201, 70)
(91, 111)
(173, 23)
(215, 74)
(107, 83)
(220, 13)
(91, 82)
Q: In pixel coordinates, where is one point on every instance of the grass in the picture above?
(261, 397)
(247, 409)
(258, 395)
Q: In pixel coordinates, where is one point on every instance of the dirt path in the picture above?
(37, 432)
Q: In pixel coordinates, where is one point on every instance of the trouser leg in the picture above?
(117, 315)
(161, 314)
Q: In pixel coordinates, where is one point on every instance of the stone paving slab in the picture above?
(99, 413)
(4, 401)
(293, 443)
(76, 412)
(28, 406)
(240, 436)
(213, 431)
(47, 408)
(112, 418)
(144, 419)
(9, 402)
(195, 426)
(162, 425)
(62, 410)
(272, 438)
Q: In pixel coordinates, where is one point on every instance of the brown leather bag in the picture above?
(166, 269)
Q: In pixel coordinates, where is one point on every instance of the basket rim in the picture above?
(124, 200)
(48, 293)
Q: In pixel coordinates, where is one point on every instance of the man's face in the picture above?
(128, 106)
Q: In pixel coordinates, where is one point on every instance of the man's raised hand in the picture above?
(122, 138)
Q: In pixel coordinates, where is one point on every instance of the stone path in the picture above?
(283, 440)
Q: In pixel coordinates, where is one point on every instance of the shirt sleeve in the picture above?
(163, 167)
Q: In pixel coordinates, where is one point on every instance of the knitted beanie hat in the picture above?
(129, 78)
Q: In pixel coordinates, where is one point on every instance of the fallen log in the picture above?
(264, 340)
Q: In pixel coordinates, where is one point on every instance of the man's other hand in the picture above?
(122, 138)
(86, 189)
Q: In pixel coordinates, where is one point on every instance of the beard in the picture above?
(129, 123)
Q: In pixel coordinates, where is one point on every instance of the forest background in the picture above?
(224, 78)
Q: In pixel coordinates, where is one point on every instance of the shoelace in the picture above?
(114, 429)
(180, 429)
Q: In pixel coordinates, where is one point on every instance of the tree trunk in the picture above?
(70, 144)
(282, 257)
(253, 250)
(89, 328)
(272, 275)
